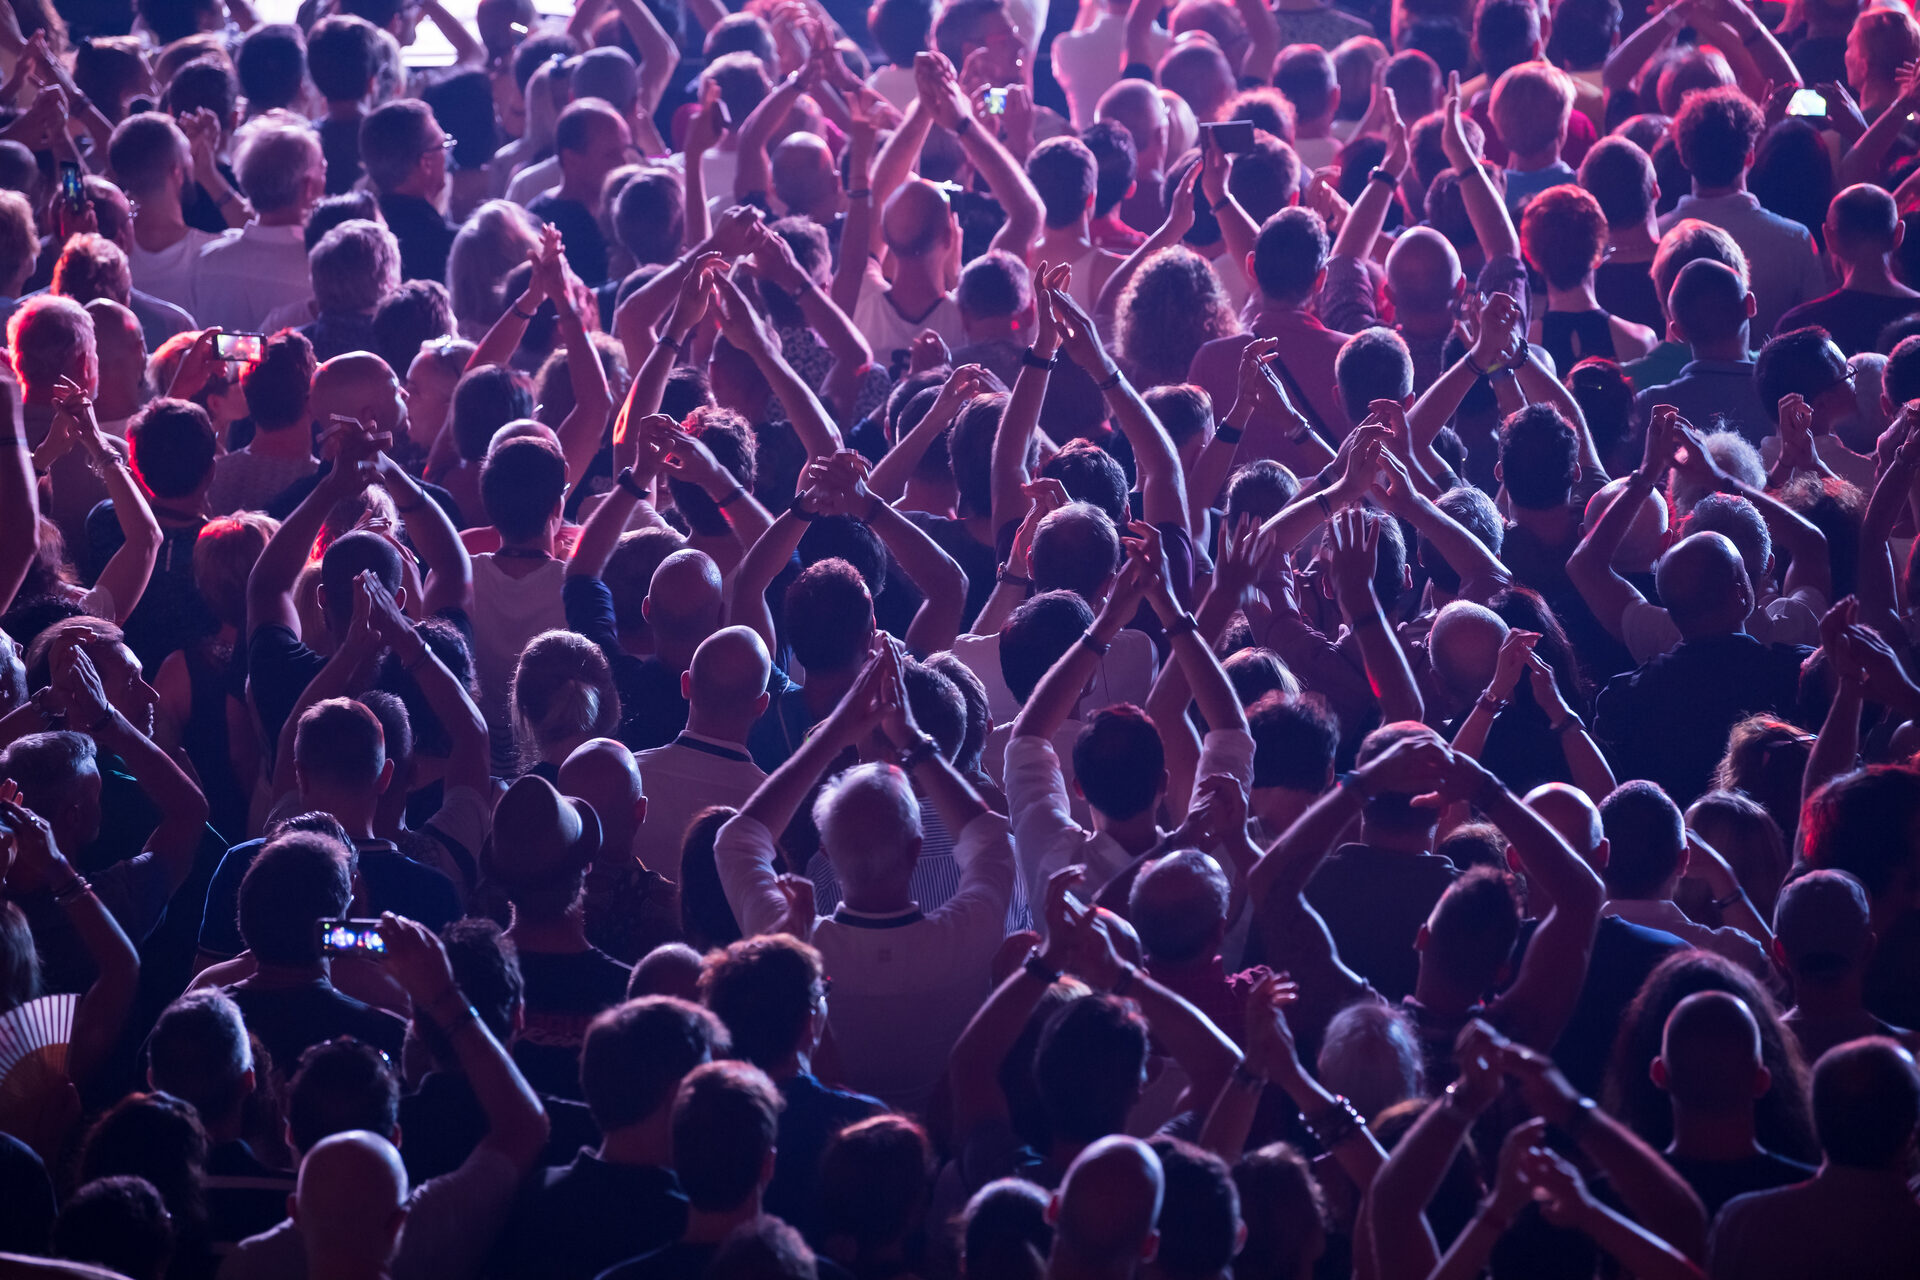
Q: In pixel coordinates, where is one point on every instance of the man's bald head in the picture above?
(1423, 271)
(358, 385)
(1709, 303)
(1710, 1054)
(1137, 106)
(1568, 811)
(351, 1198)
(729, 671)
(1179, 907)
(1646, 536)
(683, 600)
(918, 222)
(601, 771)
(1703, 583)
(1108, 1206)
(805, 177)
(1464, 645)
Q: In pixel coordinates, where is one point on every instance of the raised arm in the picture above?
(449, 579)
(1368, 217)
(467, 51)
(1485, 209)
(19, 507)
(1810, 570)
(1633, 52)
(659, 55)
(270, 585)
(1163, 486)
(1356, 548)
(1237, 228)
(1179, 221)
(746, 586)
(856, 235)
(1481, 572)
(585, 425)
(940, 93)
(1590, 567)
(1013, 436)
(745, 329)
(687, 457)
(468, 763)
(1058, 692)
(516, 1121)
(1879, 599)
(755, 174)
(1273, 1055)
(778, 798)
(848, 346)
(890, 474)
(126, 574)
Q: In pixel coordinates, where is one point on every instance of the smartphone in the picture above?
(1807, 102)
(1232, 137)
(72, 189)
(352, 937)
(249, 348)
(996, 102)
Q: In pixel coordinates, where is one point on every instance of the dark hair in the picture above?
(636, 1054)
(1063, 170)
(1373, 364)
(407, 319)
(705, 916)
(1304, 72)
(204, 82)
(766, 990)
(341, 1085)
(1801, 360)
(938, 706)
(1036, 635)
(742, 75)
(119, 1223)
(900, 28)
(345, 558)
(277, 385)
(486, 969)
(1295, 738)
(173, 447)
(1087, 1066)
(1115, 159)
(1440, 38)
(970, 447)
(1505, 33)
(1862, 823)
(1120, 761)
(295, 882)
(1565, 234)
(1539, 453)
(1647, 835)
(172, 20)
(1474, 927)
(1264, 108)
(1584, 32)
(994, 284)
(725, 1118)
(331, 211)
(1184, 409)
(157, 1137)
(1200, 1212)
(1792, 176)
(829, 616)
(521, 484)
(1615, 172)
(1866, 1102)
(649, 216)
(875, 1177)
(393, 137)
(340, 741)
(485, 400)
(1265, 179)
(1901, 380)
(1260, 488)
(539, 48)
(1077, 549)
(742, 32)
(1091, 475)
(735, 447)
(463, 107)
(1289, 254)
(1716, 130)
(1415, 80)
(343, 57)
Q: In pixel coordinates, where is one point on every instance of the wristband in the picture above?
(1571, 722)
(1033, 361)
(864, 193)
(626, 480)
(1109, 382)
(412, 506)
(1007, 575)
(106, 718)
(1336, 1124)
(1721, 904)
(1326, 508)
(1037, 969)
(961, 130)
(1580, 1118)
(798, 510)
(667, 340)
(1352, 780)
(1228, 435)
(73, 890)
(1384, 175)
(524, 315)
(1182, 625)
(1246, 1078)
(461, 1019)
(1087, 639)
(1371, 618)
(1124, 983)
(918, 754)
(731, 496)
(1300, 436)
(1490, 704)
(410, 665)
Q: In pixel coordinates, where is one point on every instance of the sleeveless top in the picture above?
(1572, 336)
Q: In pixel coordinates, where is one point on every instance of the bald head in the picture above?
(1703, 583)
(918, 222)
(1646, 537)
(1423, 271)
(683, 600)
(1138, 106)
(1568, 811)
(1464, 645)
(670, 969)
(804, 175)
(351, 1200)
(602, 772)
(1108, 1206)
(729, 671)
(123, 356)
(358, 385)
(1179, 907)
(1710, 1054)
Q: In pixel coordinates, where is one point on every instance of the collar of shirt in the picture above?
(1652, 914)
(292, 234)
(1692, 205)
(1281, 321)
(867, 920)
(713, 746)
(1719, 368)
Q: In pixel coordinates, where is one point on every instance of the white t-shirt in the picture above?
(246, 275)
(507, 612)
(1087, 63)
(1125, 674)
(888, 331)
(168, 273)
(680, 779)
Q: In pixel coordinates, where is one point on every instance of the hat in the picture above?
(540, 837)
(1823, 915)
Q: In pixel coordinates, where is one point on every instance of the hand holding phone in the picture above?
(352, 938)
(247, 348)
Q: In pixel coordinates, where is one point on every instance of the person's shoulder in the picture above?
(220, 243)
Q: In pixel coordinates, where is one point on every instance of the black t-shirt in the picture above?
(689, 1262)
(1374, 902)
(27, 1210)
(425, 236)
(580, 231)
(1623, 955)
(289, 1019)
(279, 669)
(244, 1196)
(171, 613)
(340, 145)
(1853, 318)
(563, 993)
(976, 558)
(1718, 1181)
(394, 882)
(1625, 289)
(575, 1220)
(652, 710)
(443, 1122)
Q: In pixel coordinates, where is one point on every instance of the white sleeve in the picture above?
(1045, 836)
(1228, 751)
(743, 855)
(463, 815)
(976, 915)
(1647, 630)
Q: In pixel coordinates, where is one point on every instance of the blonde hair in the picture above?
(496, 238)
(1530, 107)
(562, 689)
(223, 556)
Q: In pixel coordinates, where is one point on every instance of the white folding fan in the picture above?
(33, 1050)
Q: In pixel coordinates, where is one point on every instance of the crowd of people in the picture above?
(1213, 641)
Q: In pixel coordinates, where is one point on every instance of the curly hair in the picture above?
(1173, 305)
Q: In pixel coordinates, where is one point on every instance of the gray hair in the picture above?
(1371, 1054)
(48, 335)
(869, 822)
(496, 238)
(354, 266)
(1735, 455)
(274, 157)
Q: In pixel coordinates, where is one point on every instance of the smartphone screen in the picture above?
(72, 189)
(352, 937)
(1231, 136)
(1807, 102)
(996, 102)
(249, 348)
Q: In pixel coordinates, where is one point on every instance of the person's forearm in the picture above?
(1230, 1120)
(127, 573)
(581, 430)
(708, 13)
(1001, 602)
(898, 155)
(1190, 1038)
(659, 55)
(1386, 662)
(1864, 161)
(1212, 691)
(1492, 228)
(503, 336)
(1470, 739)
(1364, 222)
(951, 795)
(182, 807)
(1771, 65)
(1208, 476)
(1466, 1257)
(754, 176)
(1632, 53)
(270, 584)
(1163, 488)
(1163, 237)
(746, 588)
(1358, 1153)
(1464, 553)
(856, 241)
(1008, 183)
(890, 475)
(1607, 594)
(1541, 387)
(1648, 1186)
(447, 698)
(449, 579)
(1237, 229)
(467, 51)
(1798, 536)
(1055, 697)
(103, 1007)
(974, 1064)
(516, 1122)
(1568, 880)
(699, 223)
(1641, 1253)
(939, 579)
(835, 327)
(1012, 443)
(780, 796)
(1298, 853)
(1586, 762)
(805, 414)
(1403, 1242)
(1166, 706)
(1837, 749)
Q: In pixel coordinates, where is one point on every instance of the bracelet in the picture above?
(667, 340)
(1109, 382)
(459, 1020)
(1582, 1117)
(1033, 361)
(1490, 704)
(106, 718)
(410, 665)
(1182, 625)
(1721, 904)
(1037, 969)
(1124, 983)
(1451, 1104)
(1352, 780)
(798, 510)
(731, 496)
(1382, 174)
(1571, 722)
(1087, 639)
(1371, 618)
(1007, 575)
(1245, 1078)
(73, 890)
(918, 754)
(864, 193)
(1326, 508)
(626, 480)
(1228, 434)
(524, 315)
(1300, 436)
(403, 509)
(960, 130)
(1334, 1126)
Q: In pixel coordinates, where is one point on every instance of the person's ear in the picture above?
(1150, 1247)
(1052, 1211)
(1762, 1080)
(1162, 785)
(1498, 477)
(646, 608)
(639, 811)
(385, 779)
(1333, 99)
(400, 598)
(1601, 852)
(1247, 266)
(1657, 1072)
(1075, 784)
(1676, 332)
(686, 683)
(248, 1082)
(1513, 862)
(1752, 307)
(299, 776)
(1899, 233)
(1778, 952)
(760, 705)
(1421, 937)
(293, 1205)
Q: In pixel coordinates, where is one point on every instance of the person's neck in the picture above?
(824, 689)
(537, 548)
(1440, 992)
(390, 815)
(289, 975)
(1547, 523)
(890, 898)
(993, 329)
(721, 726)
(1424, 324)
(296, 216)
(1701, 191)
(1722, 1135)
(1136, 834)
(349, 109)
(578, 192)
(1321, 128)
(936, 499)
(1534, 161)
(1065, 242)
(1830, 999)
(324, 1260)
(1375, 836)
(159, 221)
(1635, 243)
(650, 1141)
(1876, 95)
(1579, 298)
(1272, 306)
(282, 442)
(916, 284)
(565, 934)
(1873, 274)
(354, 810)
(711, 1228)
(1279, 807)
(413, 186)
(1734, 349)
(1063, 1263)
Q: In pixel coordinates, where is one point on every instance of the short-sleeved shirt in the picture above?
(289, 1019)
(564, 992)
(394, 882)
(579, 230)
(573, 1221)
(1374, 902)
(1853, 317)
(1718, 1181)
